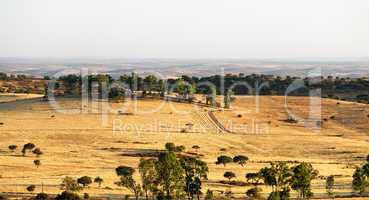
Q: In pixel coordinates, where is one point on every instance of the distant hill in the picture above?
(177, 67)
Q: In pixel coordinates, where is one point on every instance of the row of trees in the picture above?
(188, 85)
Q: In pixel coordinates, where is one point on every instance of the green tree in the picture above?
(170, 174)
(150, 81)
(302, 176)
(31, 188)
(169, 146)
(124, 171)
(367, 157)
(241, 160)
(329, 183)
(195, 171)
(12, 147)
(127, 181)
(37, 152)
(67, 195)
(98, 180)
(37, 163)
(229, 175)
(148, 174)
(278, 176)
(253, 178)
(224, 160)
(360, 180)
(70, 185)
(254, 193)
(27, 147)
(84, 181)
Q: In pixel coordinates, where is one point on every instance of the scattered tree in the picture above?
(329, 183)
(195, 171)
(37, 163)
(224, 160)
(229, 175)
(84, 181)
(70, 185)
(170, 174)
(253, 178)
(98, 180)
(302, 176)
(360, 179)
(12, 147)
(37, 152)
(124, 171)
(27, 147)
(148, 174)
(127, 181)
(31, 188)
(254, 193)
(241, 160)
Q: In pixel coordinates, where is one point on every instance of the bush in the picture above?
(31, 188)
(85, 181)
(209, 195)
(170, 146)
(3, 197)
(68, 196)
(41, 196)
(254, 192)
(86, 196)
(12, 147)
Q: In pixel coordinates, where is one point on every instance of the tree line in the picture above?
(275, 85)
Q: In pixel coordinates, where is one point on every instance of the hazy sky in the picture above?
(184, 29)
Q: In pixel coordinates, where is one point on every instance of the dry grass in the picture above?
(84, 143)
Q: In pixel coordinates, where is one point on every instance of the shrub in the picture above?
(69, 184)
(86, 196)
(98, 180)
(68, 196)
(209, 195)
(239, 115)
(41, 196)
(229, 175)
(31, 188)
(241, 160)
(254, 192)
(37, 163)
(13, 147)
(223, 160)
(84, 180)
(37, 152)
(124, 171)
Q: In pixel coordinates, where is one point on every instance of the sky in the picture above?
(184, 29)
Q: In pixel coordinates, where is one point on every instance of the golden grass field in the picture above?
(80, 140)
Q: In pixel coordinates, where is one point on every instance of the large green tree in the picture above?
(170, 175)
(149, 175)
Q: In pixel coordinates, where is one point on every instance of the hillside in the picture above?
(76, 142)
